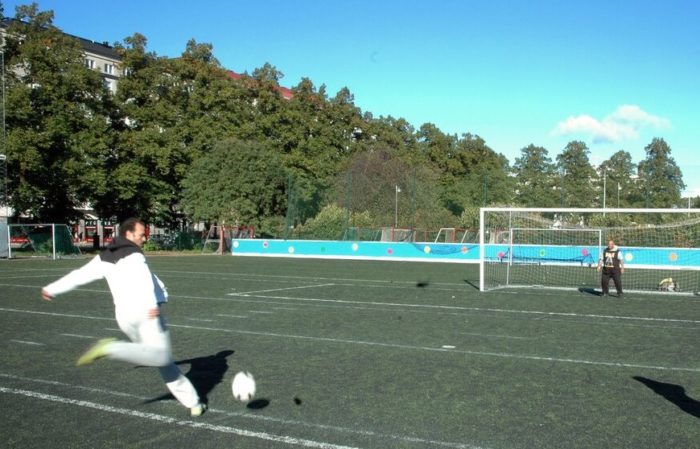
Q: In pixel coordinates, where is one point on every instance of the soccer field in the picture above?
(352, 354)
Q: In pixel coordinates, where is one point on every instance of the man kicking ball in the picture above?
(138, 295)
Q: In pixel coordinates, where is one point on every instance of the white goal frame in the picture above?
(54, 253)
(484, 210)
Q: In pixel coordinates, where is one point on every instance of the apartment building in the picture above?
(99, 56)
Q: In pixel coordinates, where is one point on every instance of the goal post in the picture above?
(52, 240)
(560, 248)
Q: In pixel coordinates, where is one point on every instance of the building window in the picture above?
(109, 69)
(111, 85)
(89, 63)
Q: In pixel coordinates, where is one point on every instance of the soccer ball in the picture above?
(243, 386)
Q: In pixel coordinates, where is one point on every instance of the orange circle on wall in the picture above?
(673, 257)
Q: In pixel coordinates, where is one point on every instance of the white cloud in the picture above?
(623, 124)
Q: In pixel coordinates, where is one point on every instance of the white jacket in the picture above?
(134, 288)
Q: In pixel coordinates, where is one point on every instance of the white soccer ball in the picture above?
(243, 386)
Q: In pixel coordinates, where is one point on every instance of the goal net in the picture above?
(560, 248)
(40, 240)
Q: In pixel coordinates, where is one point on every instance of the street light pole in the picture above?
(605, 176)
(396, 206)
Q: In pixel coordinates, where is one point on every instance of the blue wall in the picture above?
(461, 253)
(428, 252)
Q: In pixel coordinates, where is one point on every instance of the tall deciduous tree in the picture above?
(478, 176)
(58, 119)
(535, 176)
(174, 110)
(238, 182)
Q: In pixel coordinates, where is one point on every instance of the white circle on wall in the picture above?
(290, 250)
(235, 244)
(355, 246)
(628, 257)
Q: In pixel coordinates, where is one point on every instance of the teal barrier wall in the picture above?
(426, 252)
(678, 258)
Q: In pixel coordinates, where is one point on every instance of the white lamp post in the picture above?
(396, 207)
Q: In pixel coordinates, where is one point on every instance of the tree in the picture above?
(390, 189)
(238, 182)
(174, 110)
(660, 179)
(577, 178)
(618, 174)
(535, 176)
(58, 120)
(476, 175)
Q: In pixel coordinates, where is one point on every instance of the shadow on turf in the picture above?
(205, 374)
(475, 285)
(590, 291)
(674, 394)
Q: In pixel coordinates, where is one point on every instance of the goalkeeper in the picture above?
(612, 266)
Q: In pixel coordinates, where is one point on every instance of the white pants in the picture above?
(150, 346)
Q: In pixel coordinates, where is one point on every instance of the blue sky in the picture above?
(614, 74)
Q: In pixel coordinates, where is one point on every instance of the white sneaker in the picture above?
(198, 410)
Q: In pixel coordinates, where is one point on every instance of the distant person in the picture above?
(611, 265)
(138, 295)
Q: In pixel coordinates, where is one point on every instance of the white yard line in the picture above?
(402, 346)
(255, 417)
(169, 420)
(457, 351)
(277, 289)
(475, 334)
(25, 342)
(87, 337)
(473, 309)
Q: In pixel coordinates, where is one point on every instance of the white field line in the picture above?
(401, 346)
(168, 420)
(408, 306)
(25, 342)
(88, 337)
(278, 289)
(28, 270)
(62, 315)
(248, 416)
(15, 276)
(475, 334)
(476, 309)
(38, 288)
(231, 316)
(349, 281)
(436, 349)
(204, 320)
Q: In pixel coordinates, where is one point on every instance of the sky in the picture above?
(614, 74)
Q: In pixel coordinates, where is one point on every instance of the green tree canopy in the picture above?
(237, 183)
(660, 179)
(577, 177)
(535, 176)
(618, 172)
(58, 116)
